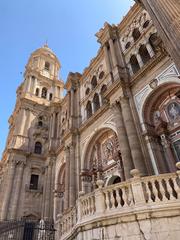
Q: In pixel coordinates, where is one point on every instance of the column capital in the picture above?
(115, 106)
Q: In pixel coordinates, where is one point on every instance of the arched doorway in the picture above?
(114, 180)
(102, 160)
(161, 113)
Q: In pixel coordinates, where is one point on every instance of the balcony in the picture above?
(145, 197)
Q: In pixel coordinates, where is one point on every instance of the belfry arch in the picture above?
(102, 159)
(161, 119)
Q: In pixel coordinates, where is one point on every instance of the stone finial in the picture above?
(100, 183)
(135, 173)
(178, 165)
(81, 193)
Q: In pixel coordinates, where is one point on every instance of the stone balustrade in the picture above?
(139, 194)
(68, 221)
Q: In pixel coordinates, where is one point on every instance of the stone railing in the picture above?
(68, 221)
(138, 194)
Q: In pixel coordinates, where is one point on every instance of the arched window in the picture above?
(103, 90)
(136, 34)
(134, 64)
(96, 102)
(47, 66)
(101, 75)
(40, 121)
(94, 82)
(38, 148)
(37, 92)
(144, 54)
(127, 45)
(44, 93)
(50, 96)
(87, 91)
(146, 24)
(34, 182)
(88, 109)
(154, 41)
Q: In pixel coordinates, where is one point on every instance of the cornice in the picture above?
(93, 64)
(94, 117)
(132, 14)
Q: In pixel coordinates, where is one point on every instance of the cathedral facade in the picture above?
(102, 160)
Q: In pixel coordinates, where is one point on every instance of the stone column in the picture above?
(132, 136)
(61, 202)
(130, 69)
(100, 100)
(170, 160)
(22, 121)
(67, 175)
(150, 50)
(113, 53)
(139, 59)
(72, 102)
(44, 192)
(52, 186)
(29, 84)
(50, 128)
(166, 17)
(55, 92)
(92, 106)
(8, 190)
(48, 192)
(53, 124)
(108, 63)
(123, 141)
(15, 199)
(72, 177)
(58, 125)
(151, 154)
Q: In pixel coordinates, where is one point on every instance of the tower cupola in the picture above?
(42, 75)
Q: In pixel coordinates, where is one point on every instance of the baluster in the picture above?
(70, 222)
(124, 197)
(170, 188)
(156, 192)
(107, 200)
(83, 208)
(118, 198)
(148, 192)
(94, 208)
(162, 191)
(176, 187)
(131, 203)
(90, 205)
(112, 197)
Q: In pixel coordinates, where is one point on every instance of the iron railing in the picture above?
(27, 230)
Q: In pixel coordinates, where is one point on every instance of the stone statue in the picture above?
(42, 230)
(173, 111)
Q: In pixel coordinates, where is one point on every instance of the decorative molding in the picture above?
(140, 97)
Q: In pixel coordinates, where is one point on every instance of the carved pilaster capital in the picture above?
(115, 106)
(21, 163)
(124, 100)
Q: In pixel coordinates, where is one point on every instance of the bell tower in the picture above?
(28, 160)
(42, 75)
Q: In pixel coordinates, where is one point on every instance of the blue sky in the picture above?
(69, 27)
